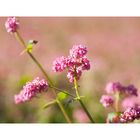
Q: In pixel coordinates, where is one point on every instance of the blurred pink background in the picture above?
(113, 48)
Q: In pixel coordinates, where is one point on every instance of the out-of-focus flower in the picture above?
(75, 63)
(106, 100)
(131, 90)
(30, 90)
(80, 116)
(130, 102)
(11, 25)
(114, 87)
(130, 115)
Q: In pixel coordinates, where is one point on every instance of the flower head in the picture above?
(114, 87)
(60, 64)
(31, 89)
(129, 115)
(131, 90)
(76, 62)
(131, 101)
(138, 112)
(11, 25)
(71, 74)
(106, 100)
(85, 63)
(78, 51)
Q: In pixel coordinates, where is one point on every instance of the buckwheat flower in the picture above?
(18, 98)
(75, 63)
(131, 101)
(71, 74)
(31, 89)
(138, 112)
(131, 90)
(60, 64)
(85, 63)
(129, 115)
(70, 61)
(114, 87)
(11, 25)
(106, 100)
(78, 51)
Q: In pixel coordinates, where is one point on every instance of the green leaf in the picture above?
(49, 104)
(61, 96)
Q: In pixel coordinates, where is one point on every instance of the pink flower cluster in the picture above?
(75, 63)
(130, 102)
(11, 25)
(78, 51)
(106, 100)
(114, 87)
(60, 64)
(131, 90)
(130, 115)
(30, 90)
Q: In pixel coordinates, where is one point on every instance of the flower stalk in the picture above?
(21, 41)
(117, 99)
(61, 90)
(81, 102)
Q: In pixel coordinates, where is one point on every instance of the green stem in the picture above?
(85, 109)
(117, 99)
(41, 68)
(63, 111)
(81, 102)
(21, 41)
(76, 88)
(49, 104)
